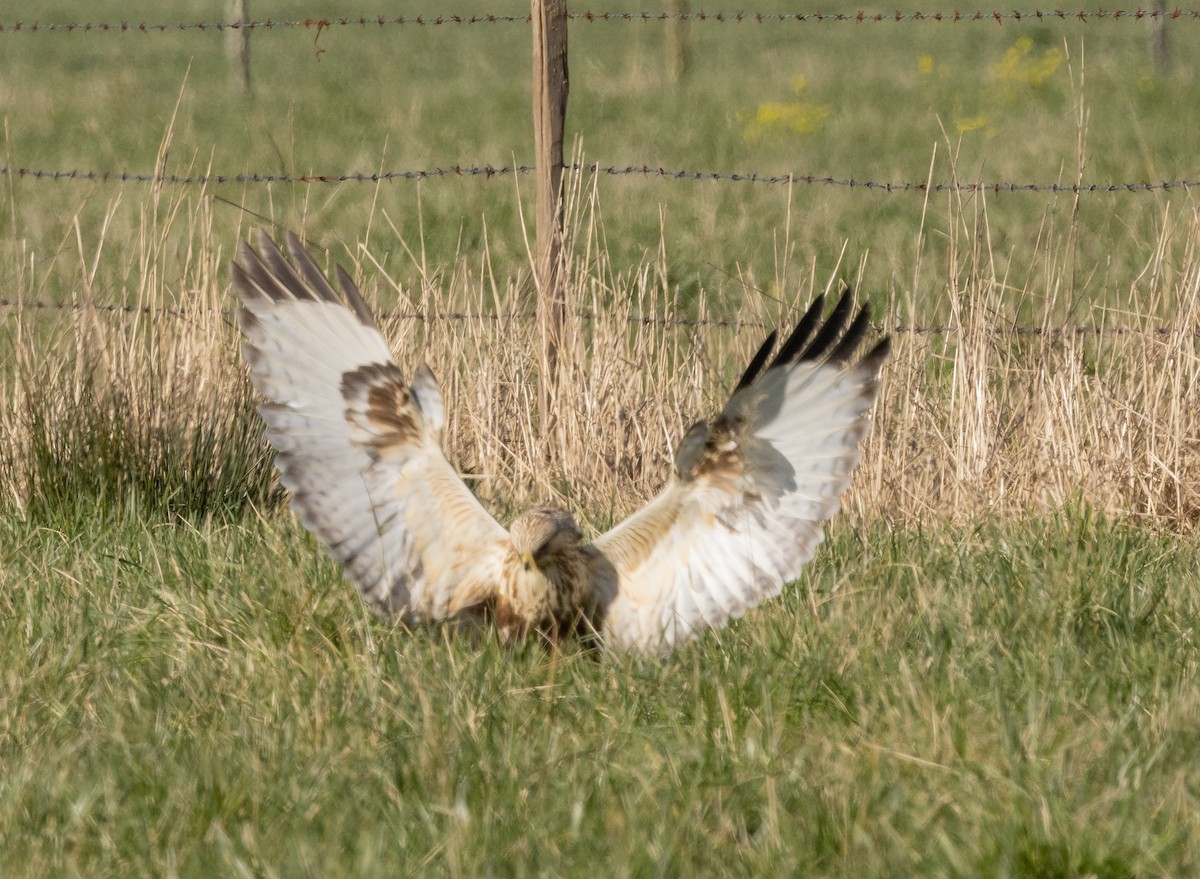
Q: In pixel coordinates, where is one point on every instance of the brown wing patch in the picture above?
(379, 392)
(720, 461)
(390, 409)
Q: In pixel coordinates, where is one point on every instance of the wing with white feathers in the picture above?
(357, 446)
(751, 492)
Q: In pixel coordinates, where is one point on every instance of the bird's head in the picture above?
(541, 534)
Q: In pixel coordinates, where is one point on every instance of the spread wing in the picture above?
(358, 446)
(746, 507)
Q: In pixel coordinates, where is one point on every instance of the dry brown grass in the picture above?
(143, 405)
(1002, 415)
(982, 419)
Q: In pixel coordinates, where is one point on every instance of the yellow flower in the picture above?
(798, 116)
(925, 65)
(980, 123)
(971, 123)
(1020, 67)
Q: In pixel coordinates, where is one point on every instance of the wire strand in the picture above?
(489, 171)
(589, 316)
(856, 17)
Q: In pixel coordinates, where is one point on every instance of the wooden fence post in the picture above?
(549, 113)
(1158, 38)
(237, 42)
(679, 52)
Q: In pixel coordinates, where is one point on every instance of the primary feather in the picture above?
(358, 447)
(746, 506)
(360, 450)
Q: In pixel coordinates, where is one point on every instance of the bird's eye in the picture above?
(528, 566)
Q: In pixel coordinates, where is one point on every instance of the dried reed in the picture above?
(984, 419)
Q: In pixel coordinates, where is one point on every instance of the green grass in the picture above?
(1016, 701)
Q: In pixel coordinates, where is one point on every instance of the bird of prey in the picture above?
(359, 447)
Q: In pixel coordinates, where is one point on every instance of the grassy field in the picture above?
(1024, 103)
(1018, 700)
(989, 670)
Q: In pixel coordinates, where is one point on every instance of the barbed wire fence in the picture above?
(590, 316)
(240, 25)
(994, 16)
(965, 186)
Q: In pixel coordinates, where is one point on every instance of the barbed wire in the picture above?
(249, 177)
(862, 17)
(887, 186)
(856, 17)
(490, 171)
(590, 316)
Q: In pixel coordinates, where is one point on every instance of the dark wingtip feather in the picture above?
(756, 363)
(245, 254)
(873, 359)
(836, 340)
(801, 334)
(242, 283)
(852, 337)
(268, 273)
(829, 333)
(304, 262)
(355, 298)
(285, 275)
(253, 279)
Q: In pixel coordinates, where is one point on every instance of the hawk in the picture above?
(359, 447)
